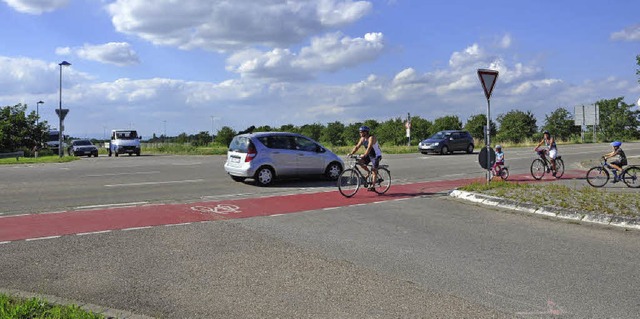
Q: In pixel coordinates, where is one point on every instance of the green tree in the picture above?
(560, 123)
(289, 128)
(313, 131)
(225, 135)
(333, 134)
(449, 122)
(391, 132)
(18, 130)
(201, 139)
(350, 133)
(420, 129)
(516, 125)
(475, 125)
(618, 120)
(263, 128)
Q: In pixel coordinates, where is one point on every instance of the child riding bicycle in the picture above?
(620, 160)
(497, 166)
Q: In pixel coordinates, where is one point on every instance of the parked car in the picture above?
(446, 142)
(83, 147)
(266, 156)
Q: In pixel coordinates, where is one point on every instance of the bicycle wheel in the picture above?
(349, 182)
(631, 175)
(504, 173)
(383, 183)
(559, 168)
(538, 168)
(597, 176)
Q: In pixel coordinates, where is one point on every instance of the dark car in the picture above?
(83, 147)
(446, 142)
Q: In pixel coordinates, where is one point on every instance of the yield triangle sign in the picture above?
(62, 113)
(488, 79)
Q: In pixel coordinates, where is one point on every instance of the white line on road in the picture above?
(42, 238)
(119, 174)
(181, 224)
(94, 232)
(156, 183)
(136, 228)
(111, 205)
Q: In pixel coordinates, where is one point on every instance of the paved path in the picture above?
(83, 222)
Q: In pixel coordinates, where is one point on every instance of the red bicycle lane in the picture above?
(78, 222)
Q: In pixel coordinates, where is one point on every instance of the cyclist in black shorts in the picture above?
(372, 153)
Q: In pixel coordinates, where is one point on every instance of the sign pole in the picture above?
(488, 79)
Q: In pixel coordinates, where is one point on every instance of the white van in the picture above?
(124, 141)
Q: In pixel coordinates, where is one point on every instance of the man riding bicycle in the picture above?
(372, 153)
(619, 161)
(551, 151)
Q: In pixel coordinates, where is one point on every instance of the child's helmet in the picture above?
(616, 143)
(498, 147)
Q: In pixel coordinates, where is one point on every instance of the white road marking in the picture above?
(136, 228)
(42, 238)
(156, 183)
(111, 205)
(119, 174)
(181, 224)
(94, 232)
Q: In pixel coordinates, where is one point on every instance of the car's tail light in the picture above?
(251, 153)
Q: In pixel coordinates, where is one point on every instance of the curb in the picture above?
(574, 215)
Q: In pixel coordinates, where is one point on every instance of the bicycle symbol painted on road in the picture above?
(220, 209)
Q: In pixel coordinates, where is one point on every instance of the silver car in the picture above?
(267, 155)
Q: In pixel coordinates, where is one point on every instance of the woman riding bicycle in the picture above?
(372, 153)
(552, 149)
(619, 161)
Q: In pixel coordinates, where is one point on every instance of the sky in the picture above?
(186, 66)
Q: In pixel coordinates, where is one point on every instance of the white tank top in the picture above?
(375, 149)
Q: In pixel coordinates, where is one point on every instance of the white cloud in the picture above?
(325, 54)
(220, 26)
(36, 6)
(186, 106)
(117, 53)
(630, 33)
(505, 42)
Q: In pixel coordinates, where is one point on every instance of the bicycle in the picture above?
(351, 179)
(500, 170)
(598, 176)
(541, 165)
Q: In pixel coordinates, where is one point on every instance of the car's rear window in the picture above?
(239, 144)
(82, 143)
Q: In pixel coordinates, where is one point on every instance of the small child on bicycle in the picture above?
(499, 158)
(620, 159)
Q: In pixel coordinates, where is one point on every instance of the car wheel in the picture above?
(470, 149)
(444, 150)
(237, 178)
(333, 171)
(264, 176)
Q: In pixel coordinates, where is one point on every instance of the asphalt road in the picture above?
(427, 256)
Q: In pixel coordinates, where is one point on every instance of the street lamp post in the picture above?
(61, 129)
(38, 111)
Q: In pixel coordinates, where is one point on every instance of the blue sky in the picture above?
(196, 65)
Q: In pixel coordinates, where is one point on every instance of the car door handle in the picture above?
(276, 153)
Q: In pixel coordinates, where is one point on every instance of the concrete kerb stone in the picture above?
(602, 219)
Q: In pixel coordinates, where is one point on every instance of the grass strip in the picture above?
(587, 198)
(16, 308)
